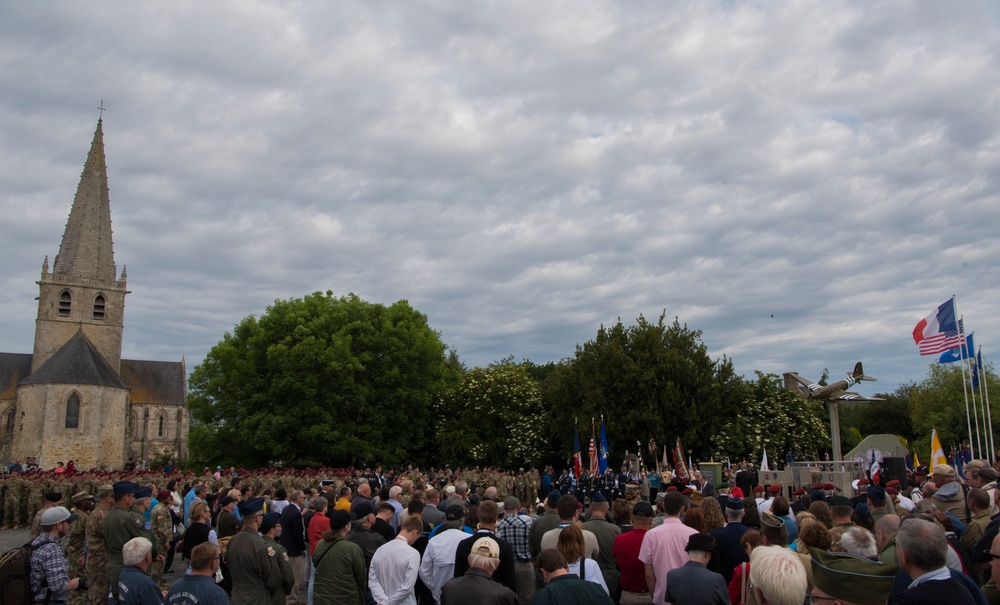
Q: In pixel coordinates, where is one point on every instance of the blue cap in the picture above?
(599, 497)
(270, 520)
(123, 487)
(876, 493)
(251, 506)
(142, 492)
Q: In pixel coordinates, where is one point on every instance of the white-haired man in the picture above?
(778, 576)
(477, 585)
(135, 587)
(396, 500)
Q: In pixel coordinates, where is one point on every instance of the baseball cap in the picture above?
(57, 514)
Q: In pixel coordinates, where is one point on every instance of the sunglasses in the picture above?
(992, 556)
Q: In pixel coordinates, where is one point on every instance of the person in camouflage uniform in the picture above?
(12, 498)
(83, 503)
(97, 547)
(52, 499)
(163, 528)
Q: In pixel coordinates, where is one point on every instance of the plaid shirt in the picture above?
(49, 569)
(515, 530)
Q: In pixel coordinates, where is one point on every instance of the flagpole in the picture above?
(985, 389)
(963, 355)
(965, 393)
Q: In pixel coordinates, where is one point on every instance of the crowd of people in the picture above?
(444, 537)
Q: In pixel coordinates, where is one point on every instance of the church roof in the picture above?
(159, 382)
(76, 362)
(14, 367)
(86, 250)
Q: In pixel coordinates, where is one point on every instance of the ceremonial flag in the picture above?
(937, 452)
(959, 353)
(976, 367)
(938, 332)
(763, 462)
(680, 469)
(916, 459)
(875, 470)
(604, 448)
(594, 464)
(577, 456)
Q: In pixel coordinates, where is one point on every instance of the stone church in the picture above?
(74, 397)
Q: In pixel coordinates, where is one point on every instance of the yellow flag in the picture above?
(937, 452)
(916, 460)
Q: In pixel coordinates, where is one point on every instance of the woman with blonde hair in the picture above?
(571, 547)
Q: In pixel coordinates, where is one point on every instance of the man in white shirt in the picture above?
(395, 566)
(438, 564)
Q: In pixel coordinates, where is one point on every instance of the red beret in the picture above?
(799, 492)
(892, 491)
(892, 483)
(774, 489)
(828, 486)
(758, 489)
(672, 488)
(688, 491)
(864, 481)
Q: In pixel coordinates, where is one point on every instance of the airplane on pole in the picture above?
(832, 394)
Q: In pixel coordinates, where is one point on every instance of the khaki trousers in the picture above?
(298, 592)
(524, 571)
(632, 598)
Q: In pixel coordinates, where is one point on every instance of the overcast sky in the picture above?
(801, 181)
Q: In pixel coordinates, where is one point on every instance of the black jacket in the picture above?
(292, 531)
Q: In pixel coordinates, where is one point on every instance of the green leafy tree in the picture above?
(649, 381)
(938, 402)
(493, 417)
(775, 418)
(321, 379)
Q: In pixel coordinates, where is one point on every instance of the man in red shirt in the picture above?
(626, 554)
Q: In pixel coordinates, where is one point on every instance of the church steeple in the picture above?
(81, 292)
(86, 251)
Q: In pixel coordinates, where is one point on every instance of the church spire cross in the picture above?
(102, 108)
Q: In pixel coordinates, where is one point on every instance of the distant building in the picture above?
(75, 398)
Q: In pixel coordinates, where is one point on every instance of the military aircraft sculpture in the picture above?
(834, 391)
(832, 394)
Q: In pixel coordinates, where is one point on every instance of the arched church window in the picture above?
(65, 301)
(99, 307)
(9, 421)
(73, 412)
(159, 431)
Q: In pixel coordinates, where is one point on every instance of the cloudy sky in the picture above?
(801, 181)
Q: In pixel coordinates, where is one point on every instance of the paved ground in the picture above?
(12, 538)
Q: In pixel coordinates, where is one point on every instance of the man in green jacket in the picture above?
(340, 565)
(124, 522)
(564, 588)
(270, 531)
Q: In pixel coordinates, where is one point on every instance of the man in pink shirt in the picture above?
(663, 547)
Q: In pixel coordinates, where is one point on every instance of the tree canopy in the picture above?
(321, 379)
(493, 417)
(649, 381)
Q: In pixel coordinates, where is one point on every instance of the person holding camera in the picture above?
(50, 582)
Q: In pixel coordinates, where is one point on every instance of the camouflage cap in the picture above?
(852, 578)
(103, 491)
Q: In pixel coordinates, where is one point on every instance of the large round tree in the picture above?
(321, 379)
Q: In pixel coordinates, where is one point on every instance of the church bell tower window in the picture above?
(159, 432)
(99, 307)
(73, 412)
(65, 301)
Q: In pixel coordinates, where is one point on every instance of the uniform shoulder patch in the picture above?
(270, 551)
(139, 521)
(285, 554)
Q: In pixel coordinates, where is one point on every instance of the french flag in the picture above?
(938, 332)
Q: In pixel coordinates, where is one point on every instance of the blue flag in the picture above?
(958, 353)
(604, 449)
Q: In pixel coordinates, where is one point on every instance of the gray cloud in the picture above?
(519, 172)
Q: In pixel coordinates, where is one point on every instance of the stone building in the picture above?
(74, 397)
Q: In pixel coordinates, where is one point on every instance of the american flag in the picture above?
(939, 331)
